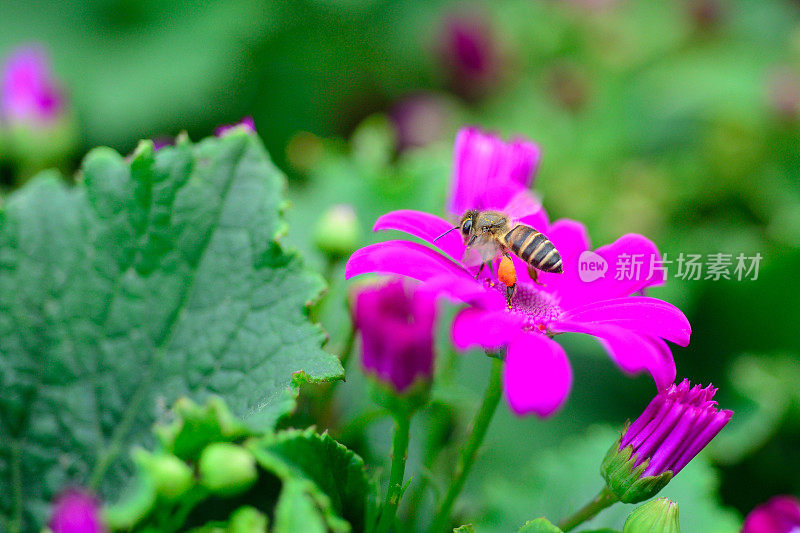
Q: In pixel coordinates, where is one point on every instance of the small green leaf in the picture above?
(540, 525)
(330, 474)
(155, 277)
(466, 528)
(297, 510)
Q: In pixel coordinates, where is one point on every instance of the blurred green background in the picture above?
(675, 119)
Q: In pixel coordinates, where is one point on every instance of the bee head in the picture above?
(466, 223)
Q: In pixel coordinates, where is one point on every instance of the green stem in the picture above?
(187, 504)
(477, 431)
(605, 499)
(395, 489)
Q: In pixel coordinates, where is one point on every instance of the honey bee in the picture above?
(492, 233)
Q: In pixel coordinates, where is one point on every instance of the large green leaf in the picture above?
(155, 277)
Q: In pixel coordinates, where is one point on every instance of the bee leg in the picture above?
(480, 269)
(491, 268)
(511, 290)
(534, 274)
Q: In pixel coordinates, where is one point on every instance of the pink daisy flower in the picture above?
(492, 174)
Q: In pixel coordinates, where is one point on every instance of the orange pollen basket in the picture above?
(506, 272)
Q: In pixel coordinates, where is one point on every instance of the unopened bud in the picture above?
(76, 511)
(227, 469)
(171, 476)
(247, 520)
(656, 516)
(671, 431)
(337, 232)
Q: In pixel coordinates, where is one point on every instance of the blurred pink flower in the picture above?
(418, 120)
(29, 92)
(780, 514)
(492, 174)
(76, 511)
(784, 93)
(469, 54)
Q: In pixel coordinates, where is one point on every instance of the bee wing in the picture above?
(482, 250)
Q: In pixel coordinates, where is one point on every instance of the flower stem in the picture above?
(605, 499)
(395, 489)
(479, 426)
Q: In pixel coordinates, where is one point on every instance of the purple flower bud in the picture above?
(246, 122)
(76, 511)
(469, 55)
(396, 324)
(780, 514)
(677, 424)
(29, 92)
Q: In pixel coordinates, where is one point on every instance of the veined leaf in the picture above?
(154, 277)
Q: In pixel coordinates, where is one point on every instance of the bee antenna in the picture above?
(445, 233)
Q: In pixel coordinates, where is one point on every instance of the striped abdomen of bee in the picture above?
(533, 248)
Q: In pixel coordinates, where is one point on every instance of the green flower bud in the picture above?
(337, 233)
(171, 476)
(227, 469)
(656, 516)
(247, 520)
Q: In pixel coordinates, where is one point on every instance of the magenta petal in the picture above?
(644, 315)
(487, 171)
(403, 258)
(487, 329)
(616, 283)
(425, 226)
(527, 209)
(632, 352)
(537, 375)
